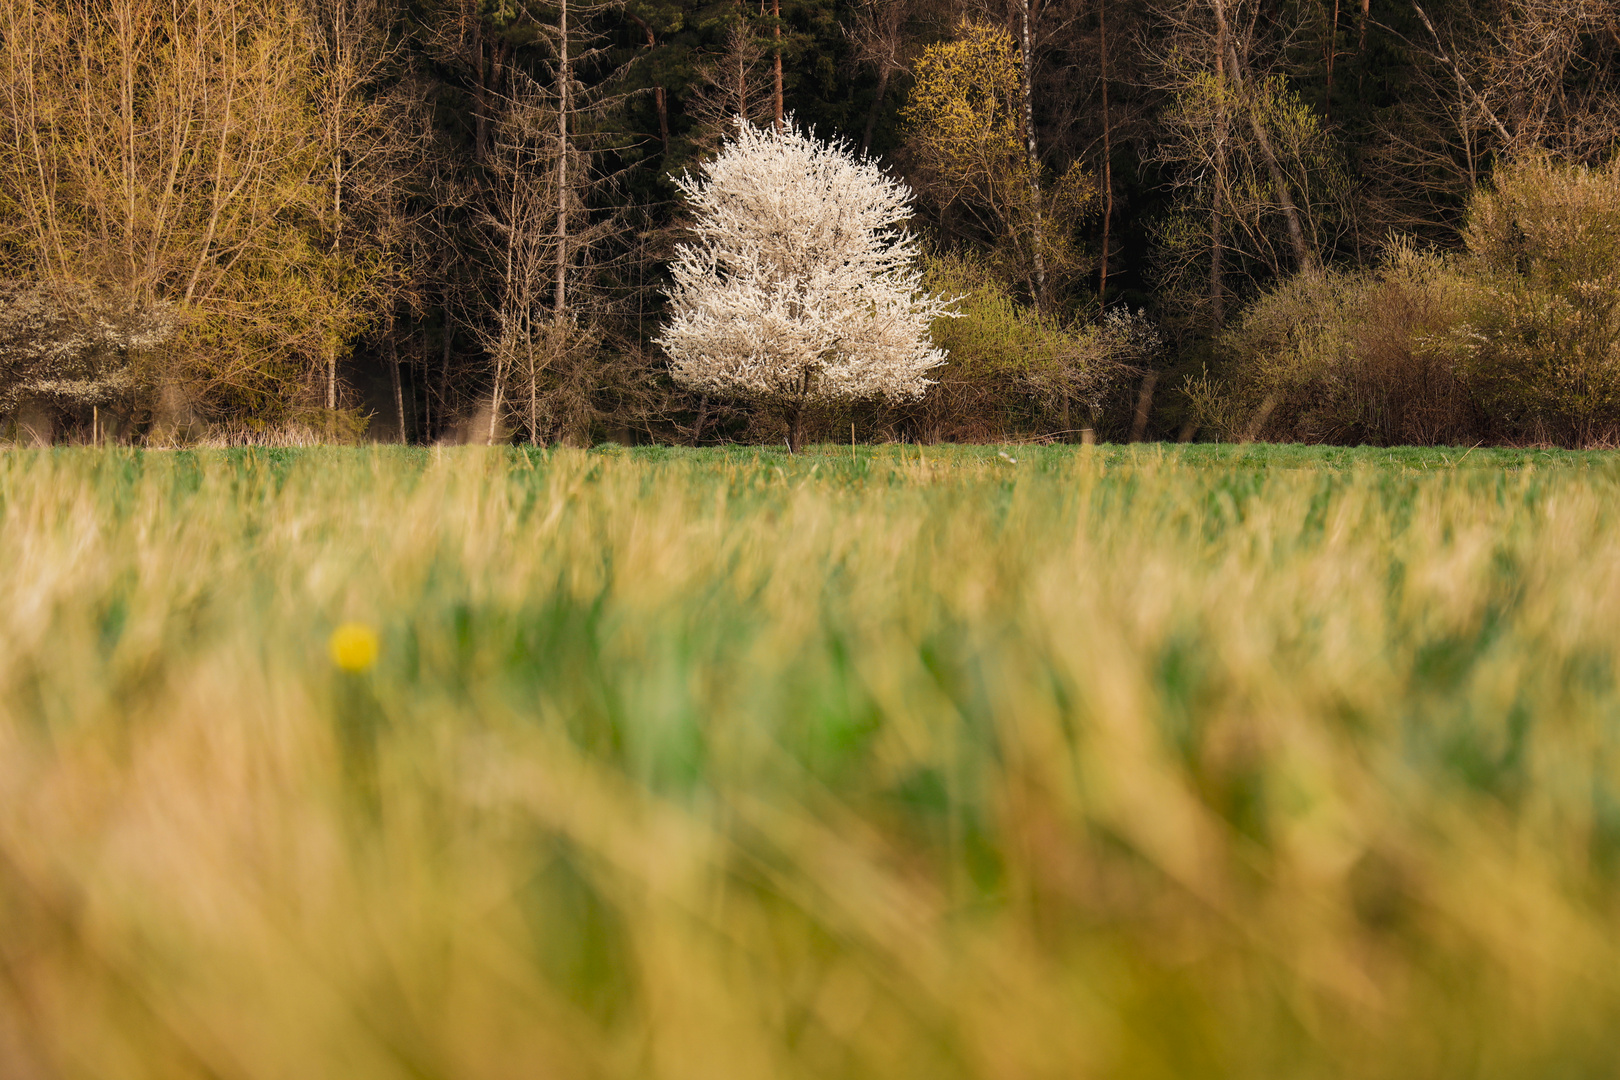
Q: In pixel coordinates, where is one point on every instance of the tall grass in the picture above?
(860, 764)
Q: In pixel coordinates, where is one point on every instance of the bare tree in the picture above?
(541, 233)
(881, 43)
(1515, 78)
(1259, 184)
(732, 83)
(177, 153)
(369, 145)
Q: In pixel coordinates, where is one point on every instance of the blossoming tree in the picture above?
(801, 285)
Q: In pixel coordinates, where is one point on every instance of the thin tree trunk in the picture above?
(796, 416)
(702, 418)
(1144, 406)
(399, 392)
(480, 90)
(877, 107)
(1296, 232)
(660, 98)
(564, 77)
(495, 402)
(776, 68)
(427, 393)
(444, 374)
(1108, 166)
(1217, 207)
(1463, 84)
(1332, 54)
(534, 395)
(418, 417)
(1034, 156)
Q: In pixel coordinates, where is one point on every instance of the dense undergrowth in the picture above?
(1514, 338)
(1016, 762)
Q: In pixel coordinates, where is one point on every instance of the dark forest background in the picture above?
(1328, 220)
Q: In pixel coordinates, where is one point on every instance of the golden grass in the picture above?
(864, 764)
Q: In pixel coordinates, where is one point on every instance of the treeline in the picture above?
(1166, 218)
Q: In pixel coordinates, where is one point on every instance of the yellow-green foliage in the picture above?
(964, 123)
(1010, 369)
(991, 335)
(1544, 340)
(862, 763)
(1223, 179)
(196, 161)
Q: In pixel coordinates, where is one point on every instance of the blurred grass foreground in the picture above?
(865, 763)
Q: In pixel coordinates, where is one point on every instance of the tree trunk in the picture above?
(1217, 203)
(660, 98)
(1108, 167)
(776, 31)
(417, 418)
(1296, 232)
(399, 390)
(444, 374)
(480, 92)
(1332, 54)
(495, 403)
(1144, 406)
(534, 395)
(796, 427)
(702, 418)
(427, 393)
(877, 107)
(796, 414)
(661, 103)
(559, 304)
(1026, 85)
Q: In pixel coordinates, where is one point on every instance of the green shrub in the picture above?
(1012, 372)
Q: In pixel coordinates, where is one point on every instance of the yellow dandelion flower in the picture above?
(353, 646)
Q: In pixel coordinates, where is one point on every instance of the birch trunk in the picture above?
(399, 391)
(1026, 87)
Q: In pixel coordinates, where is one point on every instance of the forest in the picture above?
(1334, 221)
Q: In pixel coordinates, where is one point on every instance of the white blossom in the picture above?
(800, 286)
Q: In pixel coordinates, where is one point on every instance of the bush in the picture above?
(1541, 350)
(1010, 372)
(1515, 338)
(1348, 357)
(67, 348)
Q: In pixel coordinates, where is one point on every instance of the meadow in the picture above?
(892, 762)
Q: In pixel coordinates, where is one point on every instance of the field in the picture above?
(871, 762)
